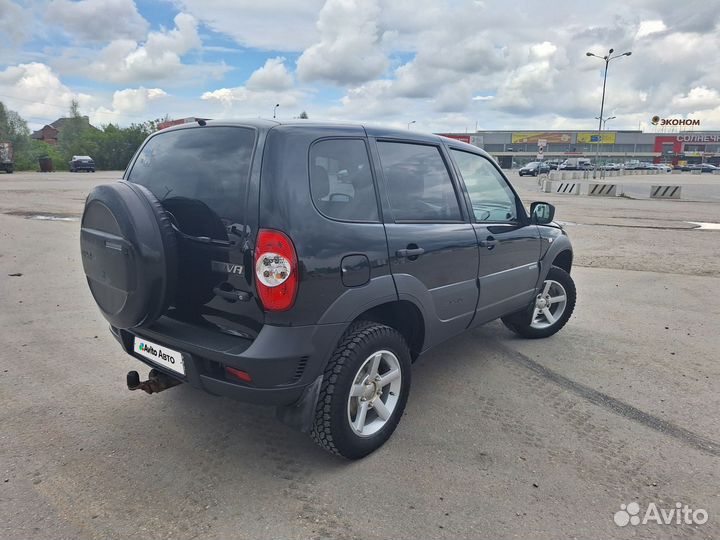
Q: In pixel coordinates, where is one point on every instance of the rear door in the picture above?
(201, 177)
(509, 246)
(432, 245)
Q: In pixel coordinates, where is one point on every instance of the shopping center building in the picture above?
(615, 146)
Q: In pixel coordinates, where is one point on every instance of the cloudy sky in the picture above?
(447, 64)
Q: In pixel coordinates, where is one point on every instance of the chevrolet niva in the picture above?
(307, 265)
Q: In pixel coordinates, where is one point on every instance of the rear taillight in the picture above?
(276, 270)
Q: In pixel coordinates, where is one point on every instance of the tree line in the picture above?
(110, 146)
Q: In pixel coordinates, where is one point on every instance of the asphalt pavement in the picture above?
(501, 438)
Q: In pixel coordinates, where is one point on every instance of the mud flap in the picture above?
(301, 414)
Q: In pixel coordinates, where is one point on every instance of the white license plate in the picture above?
(160, 354)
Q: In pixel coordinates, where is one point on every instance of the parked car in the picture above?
(576, 164)
(82, 163)
(231, 258)
(702, 167)
(6, 157)
(534, 168)
(663, 167)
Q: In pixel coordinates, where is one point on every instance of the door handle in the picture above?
(489, 242)
(231, 295)
(410, 252)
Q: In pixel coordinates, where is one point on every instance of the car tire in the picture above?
(532, 322)
(368, 355)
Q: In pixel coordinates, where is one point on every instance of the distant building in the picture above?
(49, 133)
(616, 145)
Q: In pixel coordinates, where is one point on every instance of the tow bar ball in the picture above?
(157, 382)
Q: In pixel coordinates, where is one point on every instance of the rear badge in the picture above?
(226, 268)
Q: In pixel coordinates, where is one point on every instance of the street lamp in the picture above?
(275, 109)
(609, 56)
(411, 122)
(605, 120)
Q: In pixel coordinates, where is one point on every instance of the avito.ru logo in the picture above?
(681, 514)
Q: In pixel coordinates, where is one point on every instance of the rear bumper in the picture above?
(282, 361)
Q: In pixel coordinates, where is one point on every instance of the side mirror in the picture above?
(541, 213)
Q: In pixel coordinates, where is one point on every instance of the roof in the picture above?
(57, 125)
(370, 130)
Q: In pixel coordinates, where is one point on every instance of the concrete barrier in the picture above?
(676, 171)
(602, 190)
(696, 171)
(716, 171)
(566, 188)
(665, 192)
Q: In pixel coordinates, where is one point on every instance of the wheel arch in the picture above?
(564, 260)
(403, 316)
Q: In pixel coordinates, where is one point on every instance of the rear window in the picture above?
(205, 168)
(341, 182)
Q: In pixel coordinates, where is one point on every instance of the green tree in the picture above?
(73, 129)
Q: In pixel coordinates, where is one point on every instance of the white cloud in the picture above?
(700, 97)
(14, 21)
(543, 50)
(272, 76)
(158, 58)
(37, 93)
(242, 101)
(349, 49)
(97, 20)
(447, 64)
(650, 27)
(136, 99)
(279, 25)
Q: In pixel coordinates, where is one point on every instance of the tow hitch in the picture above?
(157, 382)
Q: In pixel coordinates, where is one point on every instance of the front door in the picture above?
(432, 245)
(509, 246)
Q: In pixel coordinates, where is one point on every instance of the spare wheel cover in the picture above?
(129, 254)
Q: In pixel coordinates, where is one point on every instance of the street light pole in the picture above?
(411, 122)
(606, 59)
(275, 109)
(605, 120)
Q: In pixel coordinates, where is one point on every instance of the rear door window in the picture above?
(341, 182)
(418, 183)
(199, 174)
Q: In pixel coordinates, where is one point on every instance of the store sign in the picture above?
(604, 138)
(463, 138)
(476, 140)
(698, 138)
(657, 121)
(533, 137)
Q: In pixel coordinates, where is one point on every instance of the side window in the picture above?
(491, 197)
(341, 182)
(418, 183)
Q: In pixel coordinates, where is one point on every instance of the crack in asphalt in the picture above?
(697, 441)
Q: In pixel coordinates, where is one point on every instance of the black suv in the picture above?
(307, 266)
(82, 163)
